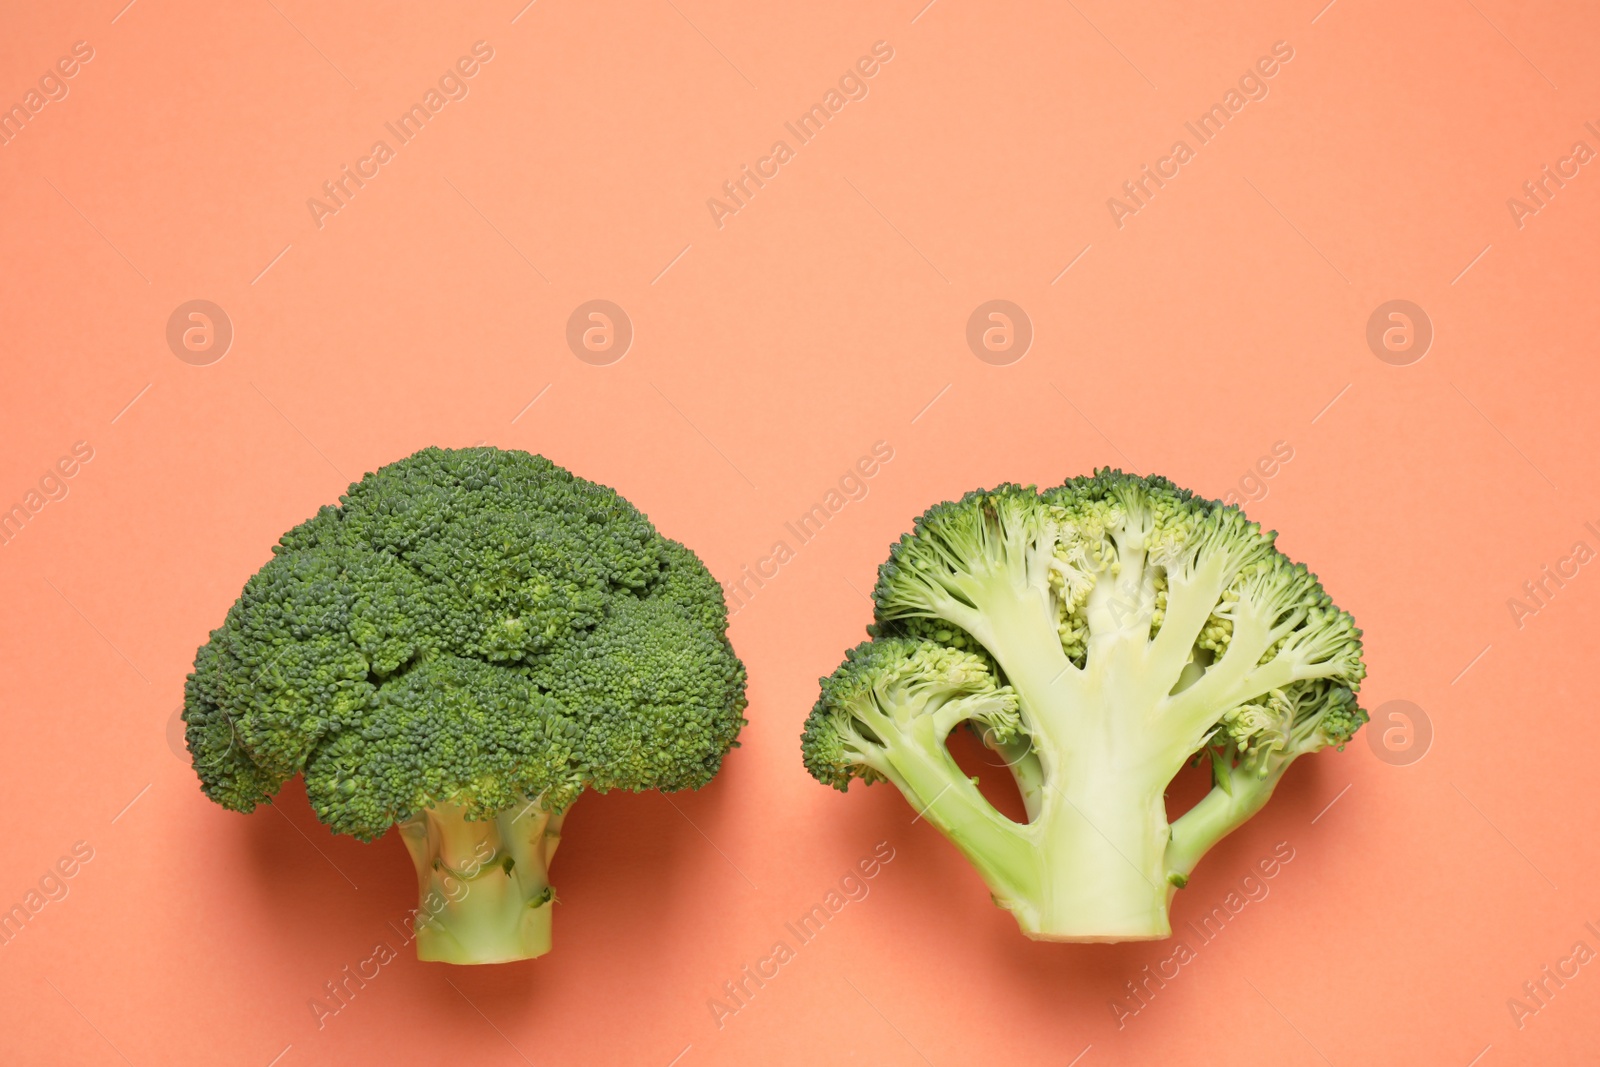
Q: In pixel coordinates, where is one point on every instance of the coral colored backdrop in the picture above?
(1220, 313)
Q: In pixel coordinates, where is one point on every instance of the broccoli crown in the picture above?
(896, 679)
(1105, 562)
(469, 626)
(1283, 723)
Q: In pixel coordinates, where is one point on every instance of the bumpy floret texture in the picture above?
(471, 626)
(887, 681)
(1106, 549)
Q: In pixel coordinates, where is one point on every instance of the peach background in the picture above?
(821, 318)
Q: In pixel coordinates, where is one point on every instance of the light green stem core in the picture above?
(484, 886)
(1097, 860)
(1102, 850)
(1218, 814)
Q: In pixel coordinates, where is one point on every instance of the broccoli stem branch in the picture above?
(921, 766)
(1100, 839)
(1025, 767)
(483, 885)
(1190, 600)
(1020, 633)
(1218, 814)
(1090, 865)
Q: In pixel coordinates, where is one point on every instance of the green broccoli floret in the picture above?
(471, 639)
(1097, 636)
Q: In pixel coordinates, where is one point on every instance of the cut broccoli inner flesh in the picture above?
(1096, 636)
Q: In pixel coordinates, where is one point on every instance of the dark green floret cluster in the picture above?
(470, 630)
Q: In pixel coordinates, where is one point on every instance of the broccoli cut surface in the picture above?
(1097, 636)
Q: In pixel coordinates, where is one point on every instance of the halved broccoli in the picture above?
(1097, 636)
(461, 647)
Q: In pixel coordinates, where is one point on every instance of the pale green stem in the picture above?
(484, 885)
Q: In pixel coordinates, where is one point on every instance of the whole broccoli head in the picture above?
(461, 647)
(1097, 636)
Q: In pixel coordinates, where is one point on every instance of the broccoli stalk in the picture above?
(1097, 636)
(484, 885)
(468, 629)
